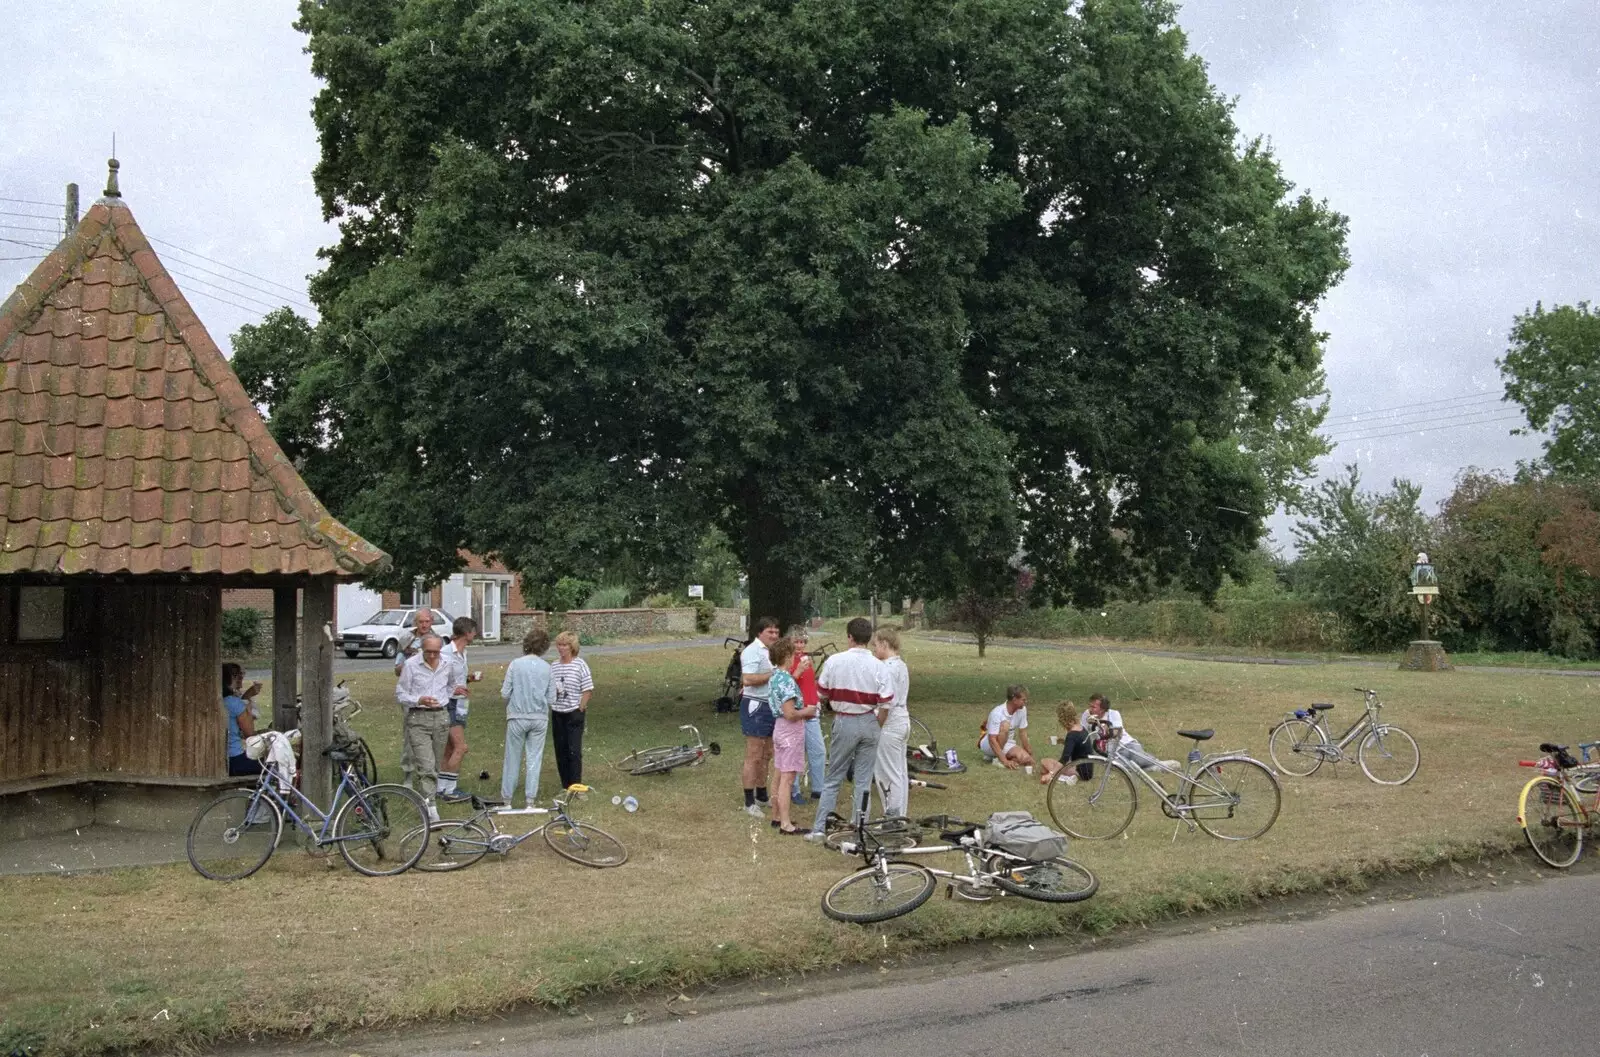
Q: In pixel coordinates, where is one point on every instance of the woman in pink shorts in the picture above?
(788, 731)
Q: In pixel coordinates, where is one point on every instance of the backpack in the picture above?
(1019, 833)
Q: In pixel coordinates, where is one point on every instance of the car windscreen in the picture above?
(385, 616)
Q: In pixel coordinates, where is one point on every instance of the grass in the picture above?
(162, 959)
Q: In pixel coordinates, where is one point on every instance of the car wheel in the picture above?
(352, 654)
(391, 648)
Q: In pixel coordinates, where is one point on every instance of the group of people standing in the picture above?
(433, 690)
(865, 687)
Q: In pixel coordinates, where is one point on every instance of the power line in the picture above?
(31, 216)
(29, 201)
(268, 305)
(33, 245)
(1420, 419)
(225, 264)
(25, 227)
(278, 298)
(32, 258)
(1432, 429)
(1420, 423)
(224, 300)
(1420, 407)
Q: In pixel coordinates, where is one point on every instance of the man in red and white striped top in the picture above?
(857, 687)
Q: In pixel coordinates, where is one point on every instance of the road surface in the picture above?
(1503, 971)
(500, 653)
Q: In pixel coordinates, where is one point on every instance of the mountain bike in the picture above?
(455, 844)
(375, 827)
(1301, 742)
(889, 885)
(664, 758)
(1551, 809)
(1229, 795)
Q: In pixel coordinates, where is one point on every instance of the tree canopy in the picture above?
(1553, 370)
(904, 289)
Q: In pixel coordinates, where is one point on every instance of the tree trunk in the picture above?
(983, 641)
(775, 589)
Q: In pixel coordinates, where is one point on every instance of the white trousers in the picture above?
(889, 774)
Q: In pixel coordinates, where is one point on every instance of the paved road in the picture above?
(1498, 972)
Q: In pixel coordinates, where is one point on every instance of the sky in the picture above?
(1461, 138)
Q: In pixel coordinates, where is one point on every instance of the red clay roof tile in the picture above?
(126, 441)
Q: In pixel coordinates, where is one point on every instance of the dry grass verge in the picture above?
(162, 958)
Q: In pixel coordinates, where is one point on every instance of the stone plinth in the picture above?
(1425, 655)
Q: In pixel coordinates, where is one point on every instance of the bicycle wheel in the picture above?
(1094, 808)
(640, 756)
(878, 893)
(1059, 880)
(919, 763)
(1389, 755)
(366, 763)
(233, 836)
(584, 844)
(382, 830)
(1235, 798)
(1553, 821)
(919, 734)
(453, 844)
(1295, 747)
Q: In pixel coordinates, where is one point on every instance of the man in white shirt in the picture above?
(755, 718)
(856, 686)
(1005, 732)
(424, 692)
(423, 620)
(462, 632)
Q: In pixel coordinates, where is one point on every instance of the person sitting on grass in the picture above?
(1005, 733)
(790, 713)
(1096, 730)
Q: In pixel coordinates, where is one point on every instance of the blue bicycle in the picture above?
(379, 830)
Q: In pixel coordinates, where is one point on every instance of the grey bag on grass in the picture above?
(1019, 833)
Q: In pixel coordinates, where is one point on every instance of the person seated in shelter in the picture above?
(1005, 732)
(237, 702)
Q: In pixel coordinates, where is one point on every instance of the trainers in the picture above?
(816, 836)
(454, 796)
(754, 811)
(1069, 779)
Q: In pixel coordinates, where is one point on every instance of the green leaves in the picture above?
(1553, 370)
(887, 288)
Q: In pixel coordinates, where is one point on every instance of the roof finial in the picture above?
(111, 179)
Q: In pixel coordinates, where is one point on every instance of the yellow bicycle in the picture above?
(1552, 811)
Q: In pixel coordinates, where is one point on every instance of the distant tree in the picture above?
(989, 595)
(1356, 550)
(1553, 370)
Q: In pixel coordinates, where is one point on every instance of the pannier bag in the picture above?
(1021, 834)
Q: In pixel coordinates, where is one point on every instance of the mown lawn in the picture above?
(163, 958)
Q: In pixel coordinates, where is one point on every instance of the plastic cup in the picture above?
(630, 805)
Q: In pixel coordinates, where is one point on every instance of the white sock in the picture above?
(447, 782)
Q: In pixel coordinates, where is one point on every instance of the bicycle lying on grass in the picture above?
(664, 758)
(1551, 810)
(1301, 743)
(1230, 795)
(455, 844)
(889, 885)
(375, 827)
(923, 755)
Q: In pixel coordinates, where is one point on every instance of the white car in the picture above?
(387, 632)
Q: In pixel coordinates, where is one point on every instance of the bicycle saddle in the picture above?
(1320, 707)
(1548, 747)
(1197, 735)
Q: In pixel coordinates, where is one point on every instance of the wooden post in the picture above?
(316, 687)
(285, 655)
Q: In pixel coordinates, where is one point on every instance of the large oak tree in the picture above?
(905, 289)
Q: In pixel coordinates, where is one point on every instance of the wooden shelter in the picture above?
(137, 480)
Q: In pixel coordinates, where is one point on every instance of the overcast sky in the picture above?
(1459, 136)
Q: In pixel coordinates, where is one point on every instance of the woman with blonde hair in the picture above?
(574, 684)
(889, 774)
(805, 677)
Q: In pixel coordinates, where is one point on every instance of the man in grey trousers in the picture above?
(856, 687)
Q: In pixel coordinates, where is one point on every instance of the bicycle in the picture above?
(664, 758)
(923, 755)
(373, 826)
(1551, 811)
(889, 886)
(346, 708)
(1230, 795)
(455, 844)
(1301, 742)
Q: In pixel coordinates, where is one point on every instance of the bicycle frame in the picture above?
(347, 789)
(502, 843)
(1334, 748)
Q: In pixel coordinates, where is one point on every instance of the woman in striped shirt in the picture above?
(573, 684)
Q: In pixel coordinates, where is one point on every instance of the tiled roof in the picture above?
(127, 445)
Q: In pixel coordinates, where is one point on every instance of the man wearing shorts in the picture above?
(755, 716)
(1005, 732)
(462, 632)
